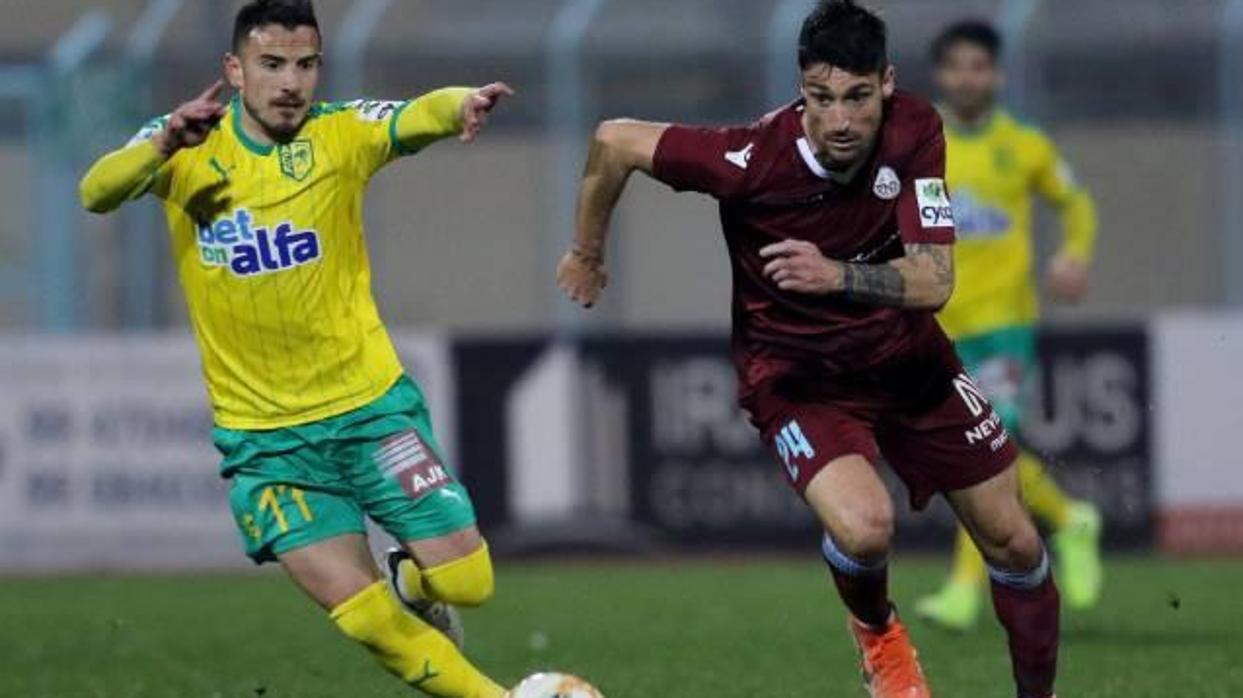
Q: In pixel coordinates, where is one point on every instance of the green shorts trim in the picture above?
(299, 485)
(1001, 363)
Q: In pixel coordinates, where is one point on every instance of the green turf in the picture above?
(1166, 629)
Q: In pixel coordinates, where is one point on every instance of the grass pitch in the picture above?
(700, 629)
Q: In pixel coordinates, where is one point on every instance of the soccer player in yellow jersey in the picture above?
(316, 421)
(994, 166)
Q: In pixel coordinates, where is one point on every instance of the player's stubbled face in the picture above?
(968, 80)
(843, 112)
(278, 70)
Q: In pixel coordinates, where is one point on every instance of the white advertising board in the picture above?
(1198, 369)
(106, 459)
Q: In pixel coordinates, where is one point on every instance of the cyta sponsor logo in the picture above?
(935, 210)
(235, 242)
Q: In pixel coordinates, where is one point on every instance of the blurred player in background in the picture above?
(317, 422)
(839, 229)
(995, 167)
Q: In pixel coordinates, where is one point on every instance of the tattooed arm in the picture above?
(922, 279)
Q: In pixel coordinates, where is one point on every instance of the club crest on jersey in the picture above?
(887, 185)
(935, 210)
(234, 242)
(297, 159)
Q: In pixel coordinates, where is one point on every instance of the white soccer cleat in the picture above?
(554, 684)
(441, 616)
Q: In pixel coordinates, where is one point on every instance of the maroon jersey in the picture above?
(771, 188)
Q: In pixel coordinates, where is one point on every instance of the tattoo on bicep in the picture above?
(874, 283)
(941, 257)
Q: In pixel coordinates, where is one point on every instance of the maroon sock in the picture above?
(867, 597)
(864, 587)
(1030, 617)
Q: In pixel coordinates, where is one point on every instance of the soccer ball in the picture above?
(554, 685)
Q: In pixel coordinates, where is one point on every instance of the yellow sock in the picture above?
(968, 566)
(410, 648)
(410, 581)
(1041, 493)
(467, 581)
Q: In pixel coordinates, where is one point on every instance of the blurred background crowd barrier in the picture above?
(614, 428)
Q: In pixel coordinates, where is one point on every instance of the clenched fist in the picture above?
(581, 276)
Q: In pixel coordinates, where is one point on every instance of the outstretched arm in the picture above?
(619, 148)
(128, 173)
(922, 279)
(460, 111)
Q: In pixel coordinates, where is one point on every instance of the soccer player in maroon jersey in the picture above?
(839, 227)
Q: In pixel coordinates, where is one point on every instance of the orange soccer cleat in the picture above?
(890, 664)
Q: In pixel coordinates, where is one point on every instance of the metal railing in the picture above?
(59, 252)
(350, 47)
(140, 253)
(63, 125)
(1229, 67)
(53, 283)
(568, 109)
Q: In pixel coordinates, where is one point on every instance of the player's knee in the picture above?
(865, 532)
(466, 581)
(1025, 549)
(1016, 546)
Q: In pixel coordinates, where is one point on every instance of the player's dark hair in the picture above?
(290, 14)
(844, 35)
(972, 31)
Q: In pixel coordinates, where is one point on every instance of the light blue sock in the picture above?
(1023, 581)
(848, 565)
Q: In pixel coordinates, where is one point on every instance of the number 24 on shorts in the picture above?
(792, 444)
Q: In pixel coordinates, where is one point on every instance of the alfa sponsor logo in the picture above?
(933, 201)
(247, 249)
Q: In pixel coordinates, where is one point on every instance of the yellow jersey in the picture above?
(268, 244)
(992, 173)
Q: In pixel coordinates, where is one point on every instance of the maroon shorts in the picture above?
(930, 423)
